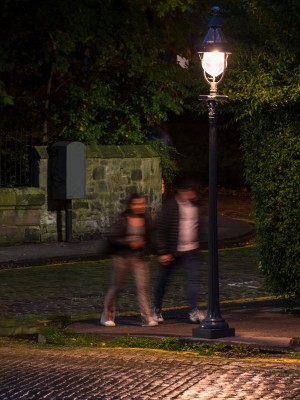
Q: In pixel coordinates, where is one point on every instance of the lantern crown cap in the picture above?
(215, 20)
(214, 39)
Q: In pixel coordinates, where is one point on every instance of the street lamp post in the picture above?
(214, 61)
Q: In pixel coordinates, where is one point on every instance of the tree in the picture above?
(99, 71)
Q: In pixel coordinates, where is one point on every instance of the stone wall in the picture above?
(20, 215)
(112, 174)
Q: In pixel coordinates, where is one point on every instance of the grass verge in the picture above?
(55, 336)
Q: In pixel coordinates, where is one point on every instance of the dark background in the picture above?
(190, 136)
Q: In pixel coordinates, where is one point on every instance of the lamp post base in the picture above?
(213, 333)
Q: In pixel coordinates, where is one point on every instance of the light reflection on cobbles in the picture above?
(109, 374)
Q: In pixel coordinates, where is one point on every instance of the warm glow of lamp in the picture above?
(213, 63)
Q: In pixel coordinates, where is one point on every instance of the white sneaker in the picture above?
(202, 315)
(106, 322)
(150, 322)
(157, 316)
(196, 315)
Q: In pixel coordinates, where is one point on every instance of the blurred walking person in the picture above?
(177, 244)
(130, 238)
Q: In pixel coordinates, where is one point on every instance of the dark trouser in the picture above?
(190, 263)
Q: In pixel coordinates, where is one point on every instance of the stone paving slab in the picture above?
(262, 327)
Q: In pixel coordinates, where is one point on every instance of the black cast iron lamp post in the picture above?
(213, 57)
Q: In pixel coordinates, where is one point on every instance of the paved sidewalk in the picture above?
(260, 324)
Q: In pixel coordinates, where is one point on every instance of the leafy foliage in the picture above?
(94, 71)
(273, 171)
(263, 85)
(167, 156)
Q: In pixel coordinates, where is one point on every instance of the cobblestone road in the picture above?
(30, 372)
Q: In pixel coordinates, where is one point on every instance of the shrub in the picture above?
(273, 170)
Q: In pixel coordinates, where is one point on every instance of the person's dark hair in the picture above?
(132, 197)
(185, 183)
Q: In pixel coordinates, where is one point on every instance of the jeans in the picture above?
(190, 263)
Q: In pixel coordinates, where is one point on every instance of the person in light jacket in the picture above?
(130, 238)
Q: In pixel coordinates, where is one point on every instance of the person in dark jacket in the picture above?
(177, 243)
(130, 237)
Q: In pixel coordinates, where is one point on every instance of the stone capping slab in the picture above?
(25, 196)
(42, 151)
(108, 151)
(125, 151)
